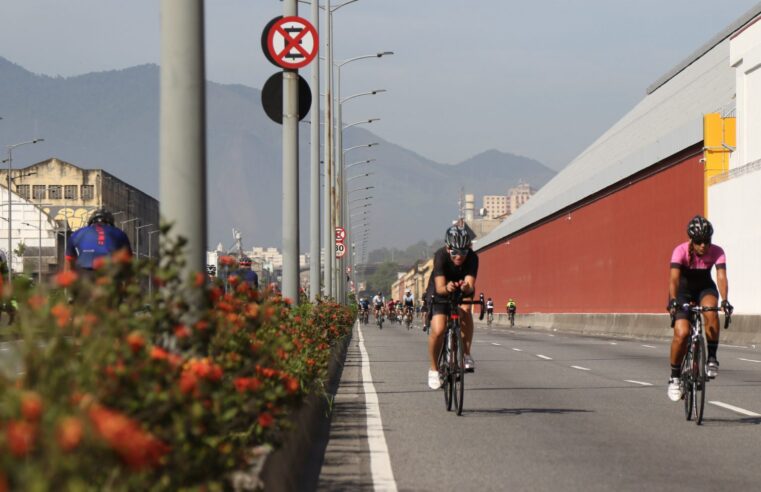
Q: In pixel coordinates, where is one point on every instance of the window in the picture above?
(55, 192)
(87, 192)
(70, 192)
(23, 191)
(38, 192)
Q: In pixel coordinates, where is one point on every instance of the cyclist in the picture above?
(378, 302)
(511, 307)
(490, 308)
(455, 267)
(245, 274)
(98, 239)
(409, 302)
(364, 308)
(690, 281)
(390, 305)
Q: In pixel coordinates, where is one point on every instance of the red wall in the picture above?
(611, 255)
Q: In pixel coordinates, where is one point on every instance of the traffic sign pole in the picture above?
(290, 174)
(314, 223)
(328, 149)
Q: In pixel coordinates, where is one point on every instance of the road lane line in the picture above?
(648, 346)
(517, 349)
(642, 383)
(543, 357)
(496, 344)
(613, 343)
(550, 335)
(739, 410)
(581, 368)
(380, 461)
(734, 346)
(748, 360)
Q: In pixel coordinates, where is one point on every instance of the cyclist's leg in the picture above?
(438, 326)
(710, 298)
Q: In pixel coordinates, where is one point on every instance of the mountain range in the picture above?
(110, 120)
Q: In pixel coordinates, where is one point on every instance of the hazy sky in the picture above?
(541, 79)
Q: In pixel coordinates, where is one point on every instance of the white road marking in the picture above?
(734, 346)
(517, 350)
(642, 383)
(380, 462)
(739, 410)
(648, 346)
(543, 357)
(613, 343)
(550, 335)
(748, 360)
(581, 368)
(496, 344)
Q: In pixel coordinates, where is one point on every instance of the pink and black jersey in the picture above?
(695, 271)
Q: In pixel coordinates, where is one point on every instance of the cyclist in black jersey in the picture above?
(455, 267)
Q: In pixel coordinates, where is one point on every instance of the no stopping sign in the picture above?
(292, 42)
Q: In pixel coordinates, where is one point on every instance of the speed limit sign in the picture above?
(340, 250)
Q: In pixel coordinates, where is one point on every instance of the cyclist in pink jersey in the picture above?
(690, 281)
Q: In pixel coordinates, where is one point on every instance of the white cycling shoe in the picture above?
(675, 391)
(470, 364)
(434, 381)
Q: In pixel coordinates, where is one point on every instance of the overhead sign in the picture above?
(272, 97)
(292, 42)
(340, 250)
(340, 234)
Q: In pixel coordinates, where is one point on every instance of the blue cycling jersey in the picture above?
(249, 276)
(95, 241)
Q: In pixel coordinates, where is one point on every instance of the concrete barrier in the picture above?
(744, 330)
(296, 465)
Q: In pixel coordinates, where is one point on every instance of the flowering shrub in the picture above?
(124, 390)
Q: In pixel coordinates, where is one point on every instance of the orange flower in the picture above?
(135, 341)
(265, 419)
(291, 384)
(181, 331)
(202, 325)
(62, 313)
(31, 406)
(122, 256)
(157, 353)
(241, 384)
(69, 433)
(138, 448)
(66, 278)
(233, 279)
(199, 280)
(20, 437)
(226, 260)
(98, 262)
(252, 310)
(188, 382)
(269, 312)
(36, 301)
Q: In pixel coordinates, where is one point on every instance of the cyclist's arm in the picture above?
(674, 282)
(468, 286)
(721, 280)
(442, 286)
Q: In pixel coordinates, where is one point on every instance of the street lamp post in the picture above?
(127, 222)
(150, 257)
(137, 238)
(10, 206)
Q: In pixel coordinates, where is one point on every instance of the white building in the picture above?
(734, 200)
(32, 232)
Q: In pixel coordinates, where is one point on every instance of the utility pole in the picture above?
(328, 200)
(291, 173)
(314, 224)
(183, 126)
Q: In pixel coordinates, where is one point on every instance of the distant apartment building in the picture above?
(496, 206)
(519, 195)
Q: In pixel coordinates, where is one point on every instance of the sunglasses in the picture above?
(703, 242)
(458, 252)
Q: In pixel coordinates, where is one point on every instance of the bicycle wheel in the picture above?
(444, 375)
(458, 374)
(699, 384)
(686, 377)
(512, 319)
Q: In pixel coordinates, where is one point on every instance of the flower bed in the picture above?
(117, 396)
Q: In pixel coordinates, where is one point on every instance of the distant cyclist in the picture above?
(455, 267)
(409, 302)
(100, 238)
(364, 307)
(490, 308)
(511, 307)
(690, 282)
(245, 274)
(378, 302)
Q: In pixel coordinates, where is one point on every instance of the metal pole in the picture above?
(137, 242)
(314, 224)
(340, 278)
(39, 246)
(329, 232)
(182, 126)
(290, 174)
(10, 218)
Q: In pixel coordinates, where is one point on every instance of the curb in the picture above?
(744, 330)
(295, 466)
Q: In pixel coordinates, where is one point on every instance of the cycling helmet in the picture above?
(380, 293)
(457, 238)
(101, 215)
(245, 261)
(699, 229)
(408, 291)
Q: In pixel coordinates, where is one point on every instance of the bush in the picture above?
(169, 391)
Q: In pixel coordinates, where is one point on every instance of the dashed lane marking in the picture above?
(734, 346)
(543, 357)
(380, 461)
(613, 343)
(517, 349)
(649, 346)
(641, 383)
(496, 344)
(748, 360)
(739, 410)
(581, 368)
(550, 335)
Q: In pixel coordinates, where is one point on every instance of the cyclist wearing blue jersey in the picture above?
(245, 273)
(98, 239)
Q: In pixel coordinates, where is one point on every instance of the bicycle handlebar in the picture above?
(703, 309)
(456, 300)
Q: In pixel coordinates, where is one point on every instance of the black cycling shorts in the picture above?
(694, 294)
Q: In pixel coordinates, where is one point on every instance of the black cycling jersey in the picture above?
(444, 266)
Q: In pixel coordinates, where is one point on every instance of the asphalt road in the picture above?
(543, 411)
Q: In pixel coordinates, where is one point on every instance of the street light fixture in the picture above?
(359, 176)
(360, 199)
(360, 189)
(367, 161)
(10, 206)
(361, 122)
(137, 238)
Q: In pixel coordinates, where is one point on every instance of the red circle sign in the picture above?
(292, 42)
(340, 234)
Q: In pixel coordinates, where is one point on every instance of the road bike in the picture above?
(451, 360)
(364, 316)
(379, 321)
(489, 318)
(408, 319)
(693, 373)
(511, 316)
